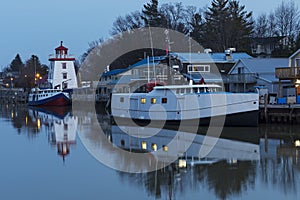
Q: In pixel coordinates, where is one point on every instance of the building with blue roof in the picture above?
(256, 72)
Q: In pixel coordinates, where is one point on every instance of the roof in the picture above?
(294, 54)
(210, 77)
(142, 63)
(210, 57)
(264, 67)
(61, 47)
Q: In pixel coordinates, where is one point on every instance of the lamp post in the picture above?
(11, 82)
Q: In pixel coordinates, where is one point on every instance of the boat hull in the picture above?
(59, 99)
(243, 119)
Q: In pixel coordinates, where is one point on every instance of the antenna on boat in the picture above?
(152, 52)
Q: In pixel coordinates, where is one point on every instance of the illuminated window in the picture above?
(153, 100)
(143, 100)
(165, 148)
(164, 100)
(154, 147)
(144, 145)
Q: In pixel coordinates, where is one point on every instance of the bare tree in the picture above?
(287, 20)
(130, 21)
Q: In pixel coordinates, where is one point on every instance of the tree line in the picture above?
(222, 25)
(24, 75)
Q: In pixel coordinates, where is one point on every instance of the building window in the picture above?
(65, 85)
(64, 65)
(121, 99)
(143, 100)
(164, 100)
(153, 100)
(65, 76)
(198, 68)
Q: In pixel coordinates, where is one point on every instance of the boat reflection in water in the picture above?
(60, 125)
(169, 144)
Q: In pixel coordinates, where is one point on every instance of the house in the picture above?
(247, 74)
(213, 67)
(264, 46)
(290, 74)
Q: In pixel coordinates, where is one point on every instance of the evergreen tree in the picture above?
(227, 25)
(217, 18)
(240, 26)
(16, 65)
(152, 16)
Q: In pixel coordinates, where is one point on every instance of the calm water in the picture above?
(75, 154)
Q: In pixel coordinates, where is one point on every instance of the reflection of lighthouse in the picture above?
(65, 134)
(60, 124)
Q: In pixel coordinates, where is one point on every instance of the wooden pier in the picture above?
(274, 113)
(13, 95)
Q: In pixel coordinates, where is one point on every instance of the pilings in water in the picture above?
(289, 113)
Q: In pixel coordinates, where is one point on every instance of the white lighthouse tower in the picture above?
(62, 73)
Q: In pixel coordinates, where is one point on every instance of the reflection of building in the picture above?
(61, 126)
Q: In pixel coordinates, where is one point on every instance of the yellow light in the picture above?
(181, 163)
(154, 147)
(165, 148)
(143, 100)
(297, 143)
(38, 123)
(12, 115)
(37, 75)
(297, 81)
(144, 145)
(153, 100)
(26, 120)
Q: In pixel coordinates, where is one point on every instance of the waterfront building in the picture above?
(62, 73)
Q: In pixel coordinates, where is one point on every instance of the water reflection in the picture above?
(263, 161)
(60, 126)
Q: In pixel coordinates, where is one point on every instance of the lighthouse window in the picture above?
(65, 76)
(64, 65)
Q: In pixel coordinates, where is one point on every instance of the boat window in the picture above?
(122, 99)
(122, 142)
(153, 100)
(143, 100)
(154, 147)
(165, 148)
(144, 145)
(164, 100)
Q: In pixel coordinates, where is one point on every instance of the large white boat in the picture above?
(191, 104)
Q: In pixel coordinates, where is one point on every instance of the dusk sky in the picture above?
(37, 27)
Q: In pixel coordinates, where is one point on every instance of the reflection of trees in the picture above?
(20, 118)
(279, 173)
(223, 178)
(230, 180)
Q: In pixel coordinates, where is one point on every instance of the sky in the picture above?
(36, 27)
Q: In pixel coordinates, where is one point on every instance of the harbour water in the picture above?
(72, 153)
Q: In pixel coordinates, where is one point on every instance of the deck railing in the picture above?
(242, 78)
(288, 73)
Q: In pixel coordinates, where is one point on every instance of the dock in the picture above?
(13, 95)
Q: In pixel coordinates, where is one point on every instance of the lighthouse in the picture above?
(62, 73)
